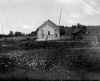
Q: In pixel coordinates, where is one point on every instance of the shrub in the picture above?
(6, 64)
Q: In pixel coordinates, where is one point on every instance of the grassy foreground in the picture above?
(48, 61)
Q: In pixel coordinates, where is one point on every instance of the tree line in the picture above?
(17, 33)
(77, 32)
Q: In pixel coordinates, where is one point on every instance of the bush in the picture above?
(6, 64)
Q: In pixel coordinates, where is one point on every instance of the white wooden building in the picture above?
(48, 31)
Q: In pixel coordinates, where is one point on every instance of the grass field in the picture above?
(49, 60)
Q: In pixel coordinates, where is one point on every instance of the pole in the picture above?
(1, 29)
(60, 16)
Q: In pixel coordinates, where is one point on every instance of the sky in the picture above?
(27, 15)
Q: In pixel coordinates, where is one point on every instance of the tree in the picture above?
(19, 34)
(78, 32)
(33, 33)
(11, 33)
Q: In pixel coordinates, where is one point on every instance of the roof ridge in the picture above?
(51, 22)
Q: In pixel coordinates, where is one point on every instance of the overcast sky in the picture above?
(27, 15)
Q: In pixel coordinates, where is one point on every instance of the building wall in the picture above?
(48, 33)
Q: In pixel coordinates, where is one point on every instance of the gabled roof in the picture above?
(47, 22)
(52, 24)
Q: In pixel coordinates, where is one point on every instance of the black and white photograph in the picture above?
(49, 40)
